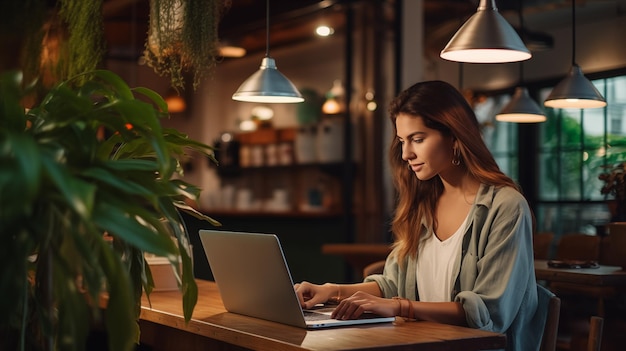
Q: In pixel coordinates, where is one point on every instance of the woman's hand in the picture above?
(311, 294)
(355, 305)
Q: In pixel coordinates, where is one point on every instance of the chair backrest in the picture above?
(614, 245)
(594, 342)
(542, 245)
(374, 268)
(551, 328)
(578, 246)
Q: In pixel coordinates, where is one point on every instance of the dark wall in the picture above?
(301, 239)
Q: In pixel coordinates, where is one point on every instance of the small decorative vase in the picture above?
(304, 145)
(330, 140)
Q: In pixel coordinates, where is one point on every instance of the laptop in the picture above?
(254, 280)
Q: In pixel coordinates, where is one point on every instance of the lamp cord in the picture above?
(267, 28)
(520, 11)
(573, 32)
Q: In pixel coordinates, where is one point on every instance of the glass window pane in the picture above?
(549, 131)
(570, 176)
(508, 165)
(572, 218)
(504, 137)
(571, 129)
(500, 137)
(593, 161)
(593, 129)
(548, 177)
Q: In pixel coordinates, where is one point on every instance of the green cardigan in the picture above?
(494, 277)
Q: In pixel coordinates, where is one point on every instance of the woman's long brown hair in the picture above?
(443, 108)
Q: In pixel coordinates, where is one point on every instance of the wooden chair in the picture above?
(594, 342)
(551, 329)
(578, 246)
(374, 268)
(542, 245)
(613, 247)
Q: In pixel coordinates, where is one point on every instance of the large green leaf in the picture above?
(123, 221)
(122, 184)
(21, 170)
(195, 213)
(120, 316)
(153, 97)
(79, 194)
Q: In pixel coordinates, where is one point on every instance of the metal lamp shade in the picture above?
(575, 91)
(521, 109)
(268, 85)
(486, 38)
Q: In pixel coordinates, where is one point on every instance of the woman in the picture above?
(462, 252)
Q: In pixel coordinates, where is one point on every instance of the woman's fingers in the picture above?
(354, 306)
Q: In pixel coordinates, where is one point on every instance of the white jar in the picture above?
(304, 146)
(330, 140)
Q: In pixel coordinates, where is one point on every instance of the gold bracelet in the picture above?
(410, 313)
(399, 299)
(336, 299)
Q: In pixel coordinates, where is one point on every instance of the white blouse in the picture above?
(435, 262)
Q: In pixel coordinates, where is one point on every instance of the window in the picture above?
(500, 137)
(574, 144)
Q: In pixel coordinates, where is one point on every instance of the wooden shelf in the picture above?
(313, 183)
(333, 168)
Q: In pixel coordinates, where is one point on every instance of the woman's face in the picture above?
(427, 151)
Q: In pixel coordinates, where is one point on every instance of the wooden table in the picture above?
(212, 328)
(358, 255)
(601, 276)
(601, 283)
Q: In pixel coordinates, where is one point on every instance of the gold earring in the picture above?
(456, 156)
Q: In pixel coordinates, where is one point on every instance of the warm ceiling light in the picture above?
(486, 38)
(331, 106)
(521, 109)
(232, 51)
(575, 90)
(334, 99)
(268, 84)
(324, 31)
(175, 103)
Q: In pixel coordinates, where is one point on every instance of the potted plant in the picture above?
(615, 185)
(90, 162)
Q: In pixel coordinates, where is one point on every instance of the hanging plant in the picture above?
(182, 36)
(84, 48)
(50, 41)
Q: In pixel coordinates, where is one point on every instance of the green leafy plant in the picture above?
(614, 181)
(615, 185)
(91, 162)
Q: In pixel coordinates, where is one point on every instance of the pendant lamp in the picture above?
(575, 90)
(486, 38)
(521, 108)
(268, 85)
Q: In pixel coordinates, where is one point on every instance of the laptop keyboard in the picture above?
(315, 316)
